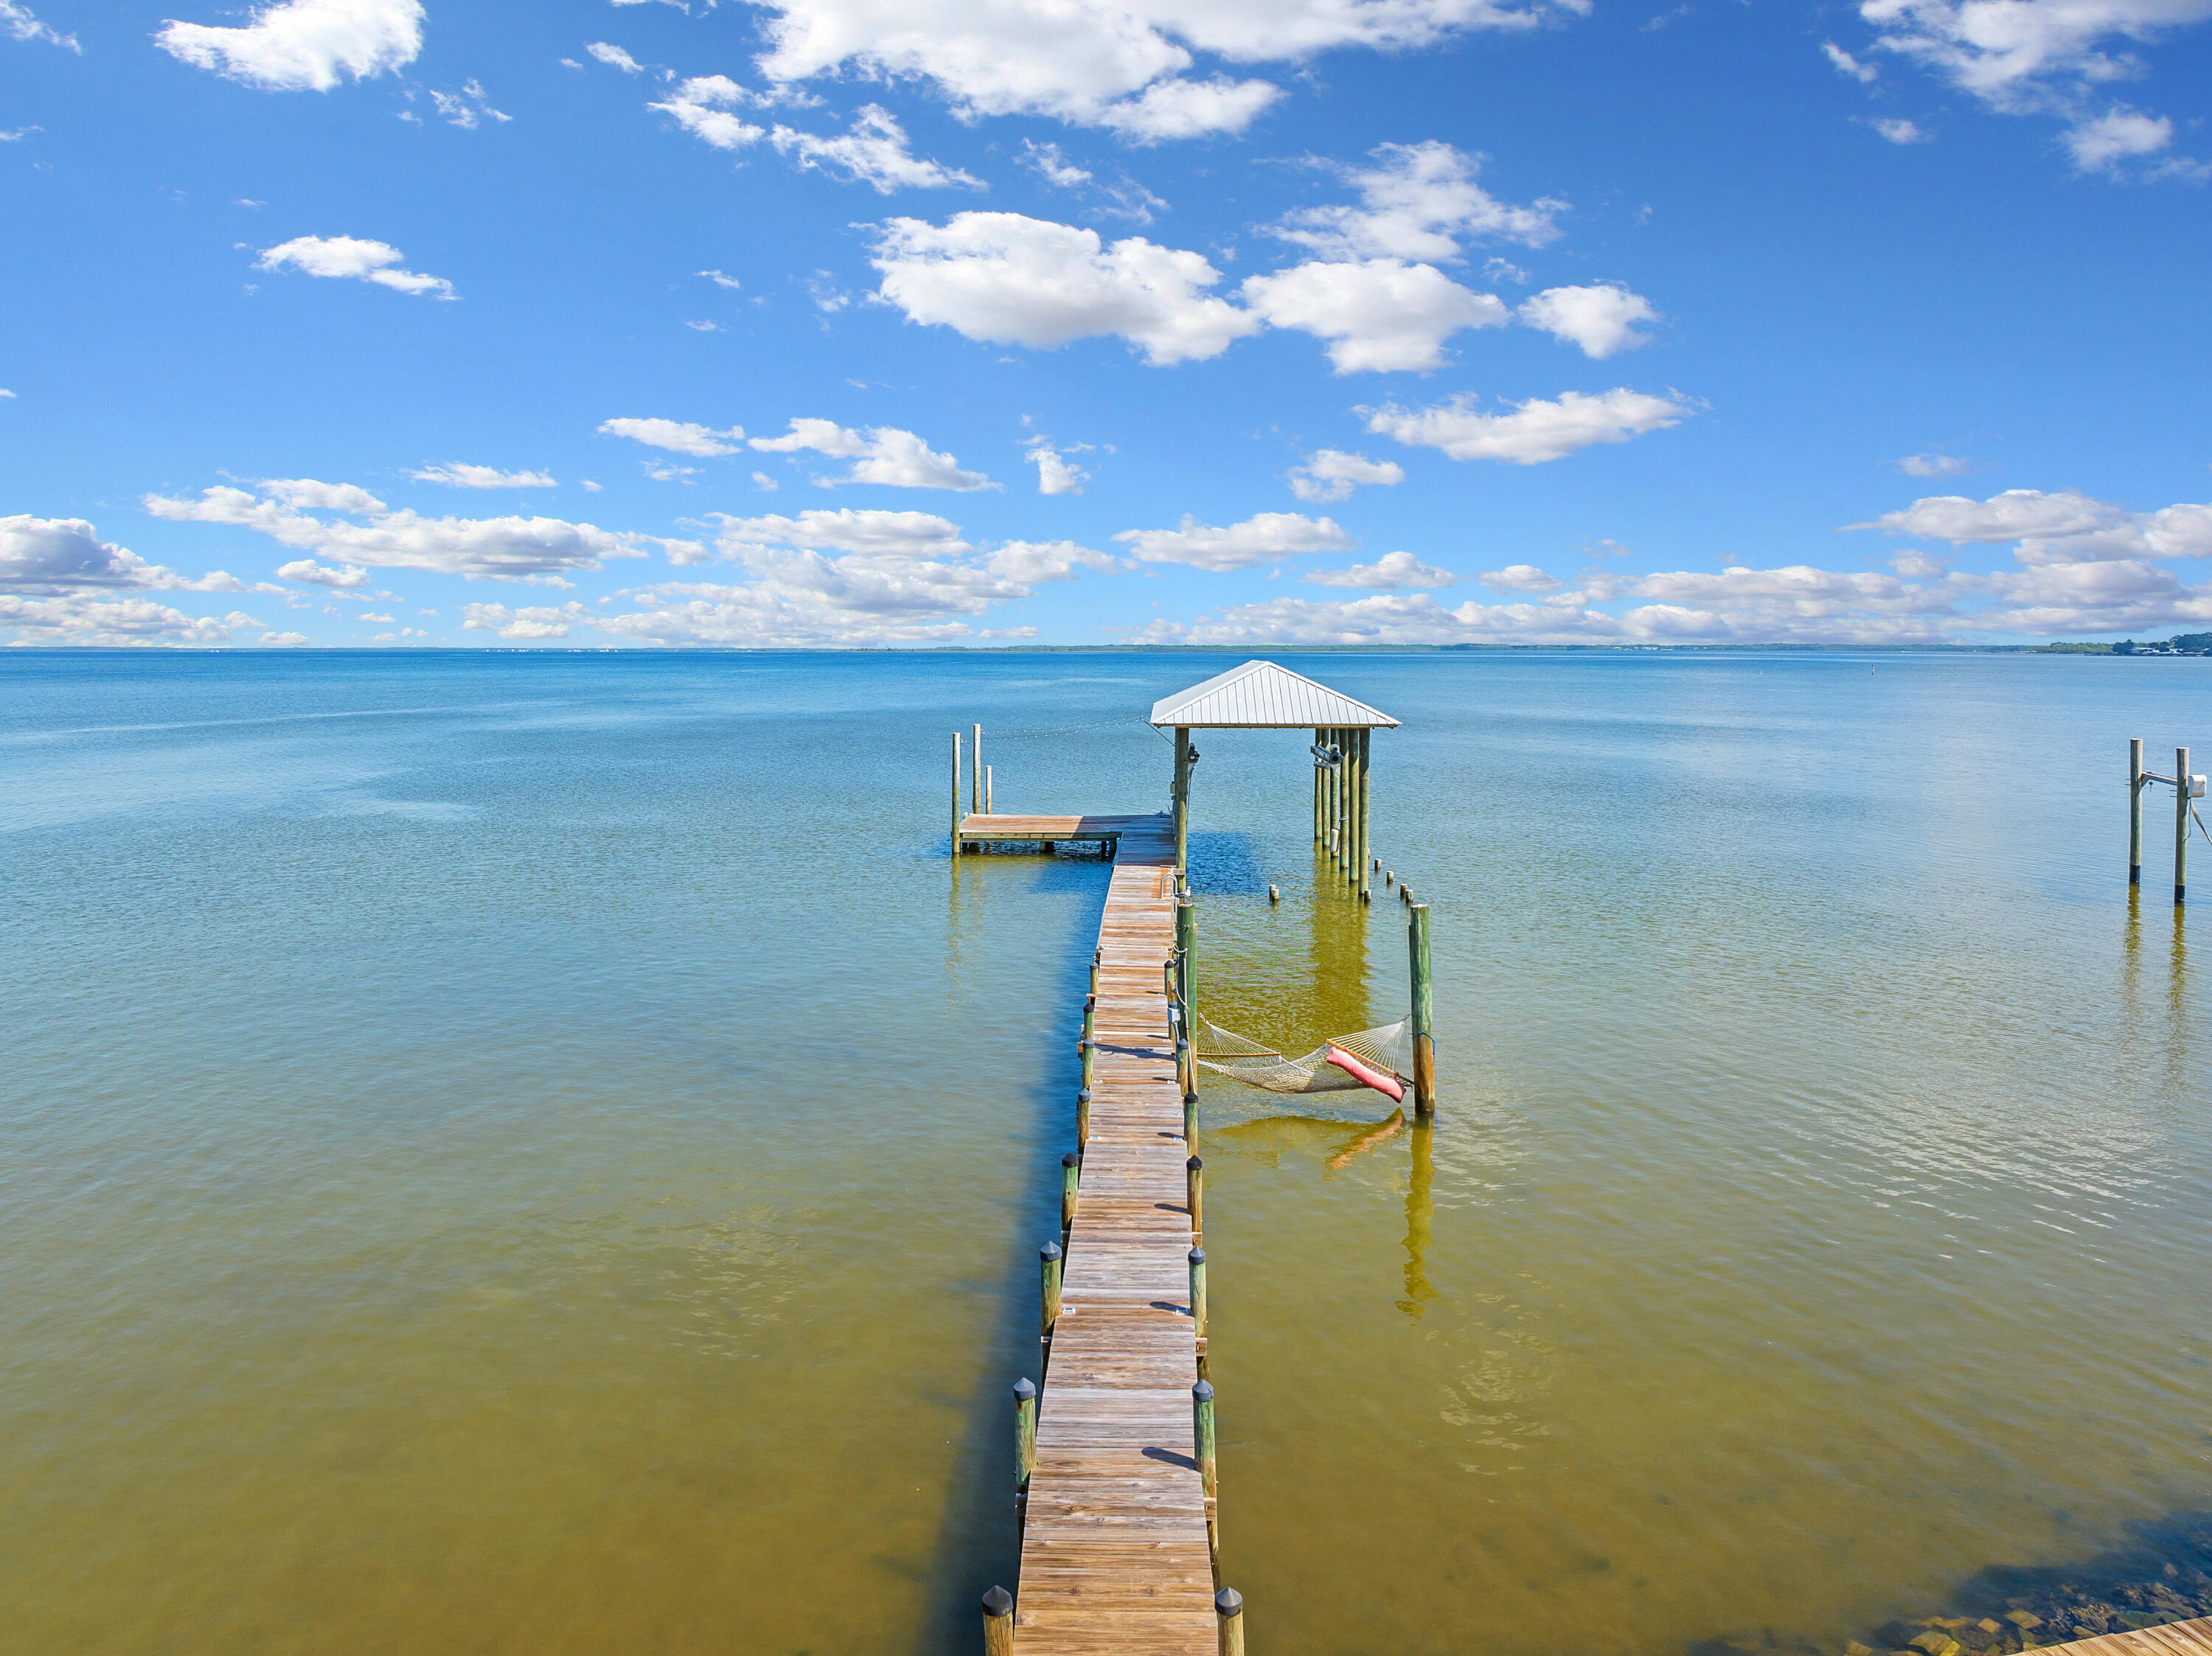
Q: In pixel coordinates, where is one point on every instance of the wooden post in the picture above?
(1024, 1432)
(1083, 1117)
(1090, 1016)
(1195, 1194)
(988, 808)
(1190, 1118)
(1315, 757)
(1425, 1041)
(1097, 959)
(2180, 825)
(2134, 811)
(1274, 894)
(1186, 934)
(1090, 1051)
(1184, 1078)
(1335, 793)
(1048, 1260)
(1229, 1611)
(956, 793)
(1182, 797)
(1070, 1177)
(975, 772)
(998, 1622)
(1201, 1421)
(1366, 781)
(1198, 1291)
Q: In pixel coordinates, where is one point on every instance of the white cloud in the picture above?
(720, 280)
(676, 436)
(536, 621)
(59, 557)
(702, 107)
(1536, 431)
(303, 45)
(1378, 315)
(457, 475)
(2066, 527)
(872, 533)
(615, 57)
(883, 454)
(875, 153)
(1118, 63)
(1866, 74)
(2120, 134)
(86, 619)
(1393, 571)
(1054, 474)
(1047, 161)
(1259, 539)
(466, 108)
(1418, 201)
(1008, 279)
(704, 327)
(1601, 319)
(350, 256)
(541, 549)
(1330, 473)
(289, 640)
(1030, 562)
(20, 23)
(1898, 130)
(1933, 466)
(1518, 578)
(309, 573)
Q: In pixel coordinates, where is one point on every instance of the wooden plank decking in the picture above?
(1114, 1552)
(2173, 1639)
(976, 827)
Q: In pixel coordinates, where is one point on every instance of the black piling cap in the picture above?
(1202, 1393)
(1025, 1389)
(1190, 1098)
(1049, 1251)
(998, 1602)
(1198, 1256)
(1069, 1159)
(1083, 1096)
(1228, 1602)
(1196, 1165)
(1090, 1003)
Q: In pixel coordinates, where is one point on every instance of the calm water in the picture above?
(544, 1154)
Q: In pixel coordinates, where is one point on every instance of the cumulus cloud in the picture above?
(1330, 473)
(1123, 64)
(1418, 201)
(1933, 466)
(85, 619)
(1056, 475)
(534, 622)
(873, 533)
(2064, 527)
(615, 57)
(1537, 430)
(458, 474)
(1377, 314)
(882, 454)
(875, 153)
(345, 578)
(1392, 572)
(1898, 130)
(352, 257)
(303, 45)
(539, 549)
(704, 106)
(1518, 578)
(676, 436)
(19, 22)
(1601, 319)
(59, 557)
(1008, 279)
(2101, 144)
(1865, 74)
(1259, 539)
(1047, 161)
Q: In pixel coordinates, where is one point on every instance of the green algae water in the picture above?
(544, 1153)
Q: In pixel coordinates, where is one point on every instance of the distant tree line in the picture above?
(2181, 644)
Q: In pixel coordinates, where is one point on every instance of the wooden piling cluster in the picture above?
(1115, 1458)
(2186, 787)
(1340, 804)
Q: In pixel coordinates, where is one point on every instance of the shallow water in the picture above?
(544, 1153)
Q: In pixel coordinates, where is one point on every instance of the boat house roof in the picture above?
(1262, 696)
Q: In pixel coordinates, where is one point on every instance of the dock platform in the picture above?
(976, 830)
(2192, 1638)
(1115, 1553)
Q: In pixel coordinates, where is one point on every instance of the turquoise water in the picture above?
(544, 1152)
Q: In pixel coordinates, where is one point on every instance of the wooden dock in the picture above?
(1115, 1554)
(2170, 1639)
(977, 829)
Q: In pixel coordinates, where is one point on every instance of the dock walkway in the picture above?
(2171, 1639)
(1115, 1556)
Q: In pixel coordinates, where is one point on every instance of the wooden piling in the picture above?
(1190, 1117)
(1181, 800)
(1083, 1116)
(1198, 1290)
(975, 771)
(1024, 1432)
(989, 810)
(1366, 779)
(1071, 1177)
(1091, 1017)
(1201, 1421)
(1315, 756)
(1229, 1611)
(2134, 811)
(998, 1622)
(1184, 1077)
(2180, 825)
(956, 793)
(1048, 1263)
(1194, 1195)
(1089, 1049)
(1275, 893)
(1425, 1043)
(1187, 952)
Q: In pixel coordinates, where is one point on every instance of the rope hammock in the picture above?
(1371, 1057)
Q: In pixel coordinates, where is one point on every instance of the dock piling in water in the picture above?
(956, 793)
(998, 1622)
(2136, 785)
(2180, 824)
(1071, 1177)
(1229, 1609)
(1048, 1257)
(1024, 1432)
(1198, 1291)
(1424, 1010)
(1194, 1195)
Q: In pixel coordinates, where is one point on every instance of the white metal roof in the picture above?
(1262, 696)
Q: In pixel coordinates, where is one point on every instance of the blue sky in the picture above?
(1253, 322)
